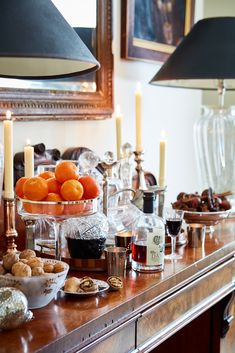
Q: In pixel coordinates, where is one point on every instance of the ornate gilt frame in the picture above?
(34, 104)
(137, 49)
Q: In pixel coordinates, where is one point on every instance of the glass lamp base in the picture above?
(214, 139)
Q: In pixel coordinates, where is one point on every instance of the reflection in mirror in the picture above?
(82, 97)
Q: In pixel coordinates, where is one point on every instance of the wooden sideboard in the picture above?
(184, 308)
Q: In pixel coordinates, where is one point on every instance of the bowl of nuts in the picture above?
(39, 279)
(207, 208)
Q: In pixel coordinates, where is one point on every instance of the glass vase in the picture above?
(214, 139)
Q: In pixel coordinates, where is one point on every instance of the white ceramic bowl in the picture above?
(39, 290)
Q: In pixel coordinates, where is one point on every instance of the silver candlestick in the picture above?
(141, 183)
(108, 163)
(160, 193)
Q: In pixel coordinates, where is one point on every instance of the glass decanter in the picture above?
(111, 183)
(125, 213)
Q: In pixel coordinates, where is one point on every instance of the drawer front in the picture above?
(120, 340)
(168, 316)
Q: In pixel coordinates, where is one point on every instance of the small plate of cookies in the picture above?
(84, 287)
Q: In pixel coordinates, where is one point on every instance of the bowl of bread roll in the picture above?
(39, 279)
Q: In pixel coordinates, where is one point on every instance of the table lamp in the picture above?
(205, 59)
(36, 42)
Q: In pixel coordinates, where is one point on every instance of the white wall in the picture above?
(173, 110)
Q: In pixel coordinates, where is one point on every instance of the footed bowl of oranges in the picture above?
(62, 193)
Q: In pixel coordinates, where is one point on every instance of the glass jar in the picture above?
(214, 138)
(86, 235)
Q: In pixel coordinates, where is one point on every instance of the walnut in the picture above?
(59, 267)
(27, 253)
(9, 260)
(48, 267)
(88, 285)
(21, 270)
(35, 262)
(37, 271)
(115, 282)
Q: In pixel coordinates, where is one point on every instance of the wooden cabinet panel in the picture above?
(228, 342)
(168, 316)
(193, 338)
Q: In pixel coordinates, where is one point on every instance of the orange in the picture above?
(35, 189)
(19, 186)
(54, 209)
(74, 209)
(53, 185)
(90, 186)
(34, 208)
(71, 190)
(47, 174)
(66, 170)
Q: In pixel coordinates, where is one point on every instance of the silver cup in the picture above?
(115, 260)
(196, 235)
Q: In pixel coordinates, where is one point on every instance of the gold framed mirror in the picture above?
(31, 101)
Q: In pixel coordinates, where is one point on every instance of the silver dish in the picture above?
(102, 287)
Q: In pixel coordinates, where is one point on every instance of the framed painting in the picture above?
(151, 29)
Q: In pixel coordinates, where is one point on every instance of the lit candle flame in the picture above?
(8, 114)
(163, 134)
(28, 142)
(118, 109)
(138, 87)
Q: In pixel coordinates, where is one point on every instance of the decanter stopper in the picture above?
(108, 163)
(88, 160)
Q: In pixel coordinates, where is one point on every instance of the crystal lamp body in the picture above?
(214, 139)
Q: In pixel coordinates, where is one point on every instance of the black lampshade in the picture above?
(205, 55)
(37, 42)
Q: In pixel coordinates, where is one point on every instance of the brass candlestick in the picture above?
(141, 183)
(9, 218)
